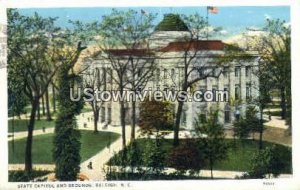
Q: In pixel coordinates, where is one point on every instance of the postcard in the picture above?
(149, 94)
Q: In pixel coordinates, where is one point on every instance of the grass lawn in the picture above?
(86, 108)
(238, 157)
(21, 124)
(272, 106)
(42, 147)
(276, 113)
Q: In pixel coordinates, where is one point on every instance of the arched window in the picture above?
(165, 73)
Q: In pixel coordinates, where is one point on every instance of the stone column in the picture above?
(106, 112)
(115, 109)
(243, 89)
(208, 87)
(221, 105)
(232, 89)
(254, 82)
(100, 115)
(189, 115)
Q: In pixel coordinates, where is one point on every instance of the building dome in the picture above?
(170, 29)
(171, 22)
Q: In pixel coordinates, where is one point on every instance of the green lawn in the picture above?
(42, 147)
(21, 124)
(272, 106)
(86, 108)
(276, 113)
(238, 157)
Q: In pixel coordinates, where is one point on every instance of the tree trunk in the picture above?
(177, 123)
(122, 119)
(28, 149)
(261, 129)
(283, 102)
(48, 106)
(211, 169)
(39, 111)
(43, 105)
(96, 118)
(133, 120)
(53, 99)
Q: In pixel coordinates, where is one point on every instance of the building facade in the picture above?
(236, 78)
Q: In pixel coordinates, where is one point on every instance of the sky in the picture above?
(232, 20)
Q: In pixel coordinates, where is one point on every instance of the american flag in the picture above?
(213, 10)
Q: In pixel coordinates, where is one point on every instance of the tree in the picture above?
(17, 100)
(266, 162)
(155, 116)
(212, 136)
(274, 47)
(141, 71)
(195, 68)
(94, 81)
(241, 128)
(123, 40)
(32, 57)
(250, 123)
(48, 112)
(66, 152)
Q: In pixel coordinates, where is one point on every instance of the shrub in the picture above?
(269, 161)
(154, 157)
(187, 156)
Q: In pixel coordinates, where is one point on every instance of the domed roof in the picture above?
(171, 22)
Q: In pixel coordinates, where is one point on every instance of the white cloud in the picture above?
(224, 32)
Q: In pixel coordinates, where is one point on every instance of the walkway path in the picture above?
(23, 134)
(275, 121)
(101, 158)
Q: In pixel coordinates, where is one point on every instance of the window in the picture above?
(237, 71)
(102, 114)
(248, 91)
(165, 87)
(165, 73)
(214, 89)
(213, 72)
(202, 89)
(226, 93)
(237, 92)
(109, 115)
(248, 71)
(140, 71)
(173, 74)
(225, 72)
(227, 114)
